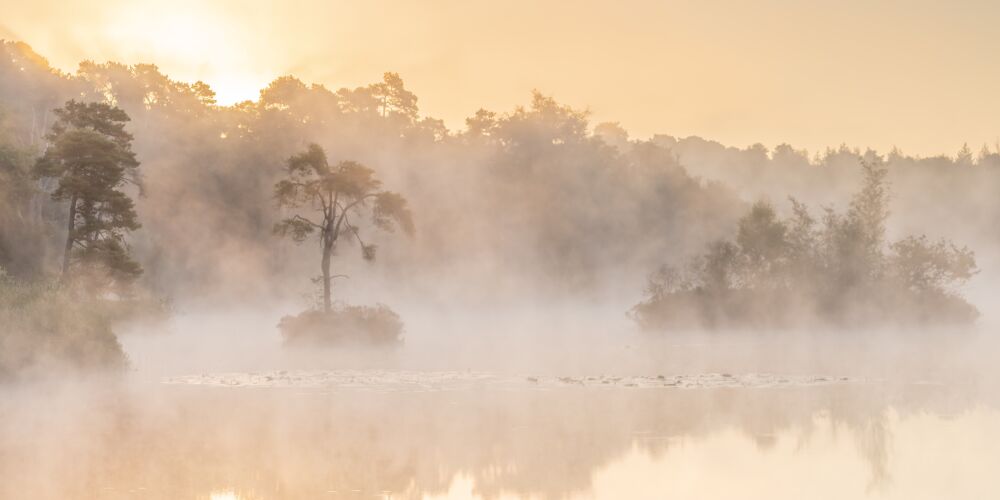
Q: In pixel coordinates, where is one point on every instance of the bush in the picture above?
(45, 327)
(798, 271)
(378, 325)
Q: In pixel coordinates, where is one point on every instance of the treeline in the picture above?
(952, 195)
(533, 200)
(530, 199)
(527, 199)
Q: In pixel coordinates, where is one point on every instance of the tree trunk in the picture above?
(329, 236)
(69, 236)
(327, 252)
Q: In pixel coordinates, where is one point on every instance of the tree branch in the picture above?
(307, 221)
(359, 200)
(356, 234)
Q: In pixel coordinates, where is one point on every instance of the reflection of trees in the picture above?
(185, 443)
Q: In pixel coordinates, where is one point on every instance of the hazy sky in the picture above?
(916, 74)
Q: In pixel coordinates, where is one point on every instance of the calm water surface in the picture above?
(920, 418)
(148, 441)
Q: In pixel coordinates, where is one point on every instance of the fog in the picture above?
(573, 308)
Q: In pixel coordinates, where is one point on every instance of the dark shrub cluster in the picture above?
(343, 325)
(796, 271)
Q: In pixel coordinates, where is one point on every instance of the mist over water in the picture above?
(131, 439)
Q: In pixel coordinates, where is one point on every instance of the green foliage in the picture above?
(378, 325)
(784, 273)
(46, 327)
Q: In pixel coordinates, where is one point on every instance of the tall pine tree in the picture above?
(90, 155)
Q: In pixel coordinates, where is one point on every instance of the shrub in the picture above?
(378, 325)
(797, 271)
(45, 327)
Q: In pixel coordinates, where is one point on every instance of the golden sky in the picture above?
(916, 74)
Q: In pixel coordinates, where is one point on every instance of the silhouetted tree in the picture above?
(90, 155)
(338, 193)
(964, 156)
(613, 134)
(393, 98)
(481, 124)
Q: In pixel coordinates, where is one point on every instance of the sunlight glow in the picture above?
(205, 47)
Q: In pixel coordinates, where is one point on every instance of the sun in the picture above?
(232, 88)
(223, 495)
(189, 44)
(146, 31)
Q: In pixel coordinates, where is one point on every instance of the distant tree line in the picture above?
(533, 195)
(533, 200)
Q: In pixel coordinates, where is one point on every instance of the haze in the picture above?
(543, 250)
(916, 75)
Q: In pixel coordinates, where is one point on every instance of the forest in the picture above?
(124, 193)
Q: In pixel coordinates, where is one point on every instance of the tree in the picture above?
(90, 155)
(482, 124)
(394, 99)
(964, 156)
(859, 238)
(613, 134)
(338, 193)
(762, 239)
(921, 264)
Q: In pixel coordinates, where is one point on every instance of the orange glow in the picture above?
(738, 72)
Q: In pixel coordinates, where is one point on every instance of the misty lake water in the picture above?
(175, 442)
(243, 431)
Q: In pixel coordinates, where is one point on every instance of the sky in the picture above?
(917, 75)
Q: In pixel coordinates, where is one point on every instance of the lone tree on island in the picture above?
(338, 193)
(90, 154)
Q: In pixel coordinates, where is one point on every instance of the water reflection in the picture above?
(119, 441)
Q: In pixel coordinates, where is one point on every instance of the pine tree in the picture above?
(90, 155)
(337, 193)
